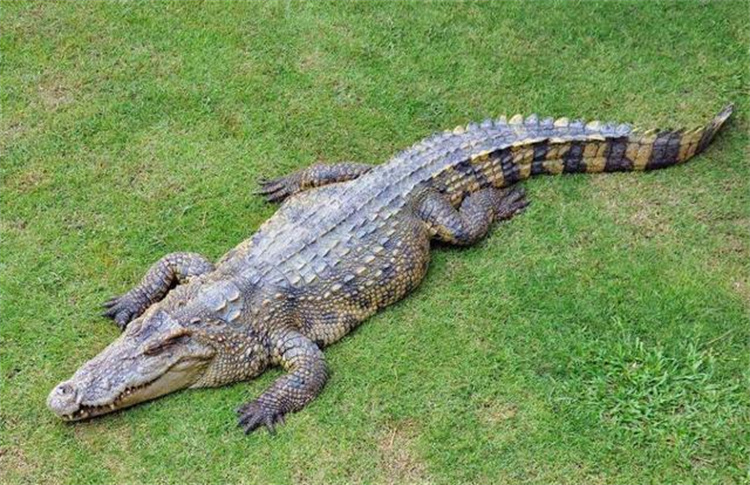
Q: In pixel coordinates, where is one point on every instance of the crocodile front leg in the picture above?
(169, 271)
(307, 375)
(472, 221)
(317, 175)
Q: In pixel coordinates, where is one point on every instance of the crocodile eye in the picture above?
(135, 327)
(158, 347)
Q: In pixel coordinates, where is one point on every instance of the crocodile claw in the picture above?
(513, 201)
(278, 189)
(120, 309)
(254, 414)
(110, 303)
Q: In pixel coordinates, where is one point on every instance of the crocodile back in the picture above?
(315, 231)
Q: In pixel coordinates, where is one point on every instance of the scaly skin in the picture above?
(349, 240)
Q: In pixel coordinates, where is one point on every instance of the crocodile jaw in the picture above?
(180, 376)
(125, 373)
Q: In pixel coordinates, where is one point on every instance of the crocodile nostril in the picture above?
(66, 390)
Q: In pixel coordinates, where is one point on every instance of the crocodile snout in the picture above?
(63, 400)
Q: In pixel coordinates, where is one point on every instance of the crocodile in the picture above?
(348, 240)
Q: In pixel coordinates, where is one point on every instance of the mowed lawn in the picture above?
(601, 337)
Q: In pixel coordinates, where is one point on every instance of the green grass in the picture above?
(601, 337)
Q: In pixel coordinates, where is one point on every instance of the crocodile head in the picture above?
(170, 347)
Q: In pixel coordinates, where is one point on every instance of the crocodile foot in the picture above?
(255, 413)
(122, 309)
(512, 202)
(278, 189)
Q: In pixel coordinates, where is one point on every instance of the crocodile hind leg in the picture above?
(472, 220)
(169, 271)
(317, 175)
(307, 375)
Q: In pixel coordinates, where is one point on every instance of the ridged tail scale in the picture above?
(551, 147)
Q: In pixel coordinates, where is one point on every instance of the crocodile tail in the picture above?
(608, 148)
(551, 147)
(654, 149)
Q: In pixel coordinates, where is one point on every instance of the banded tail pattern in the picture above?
(518, 148)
